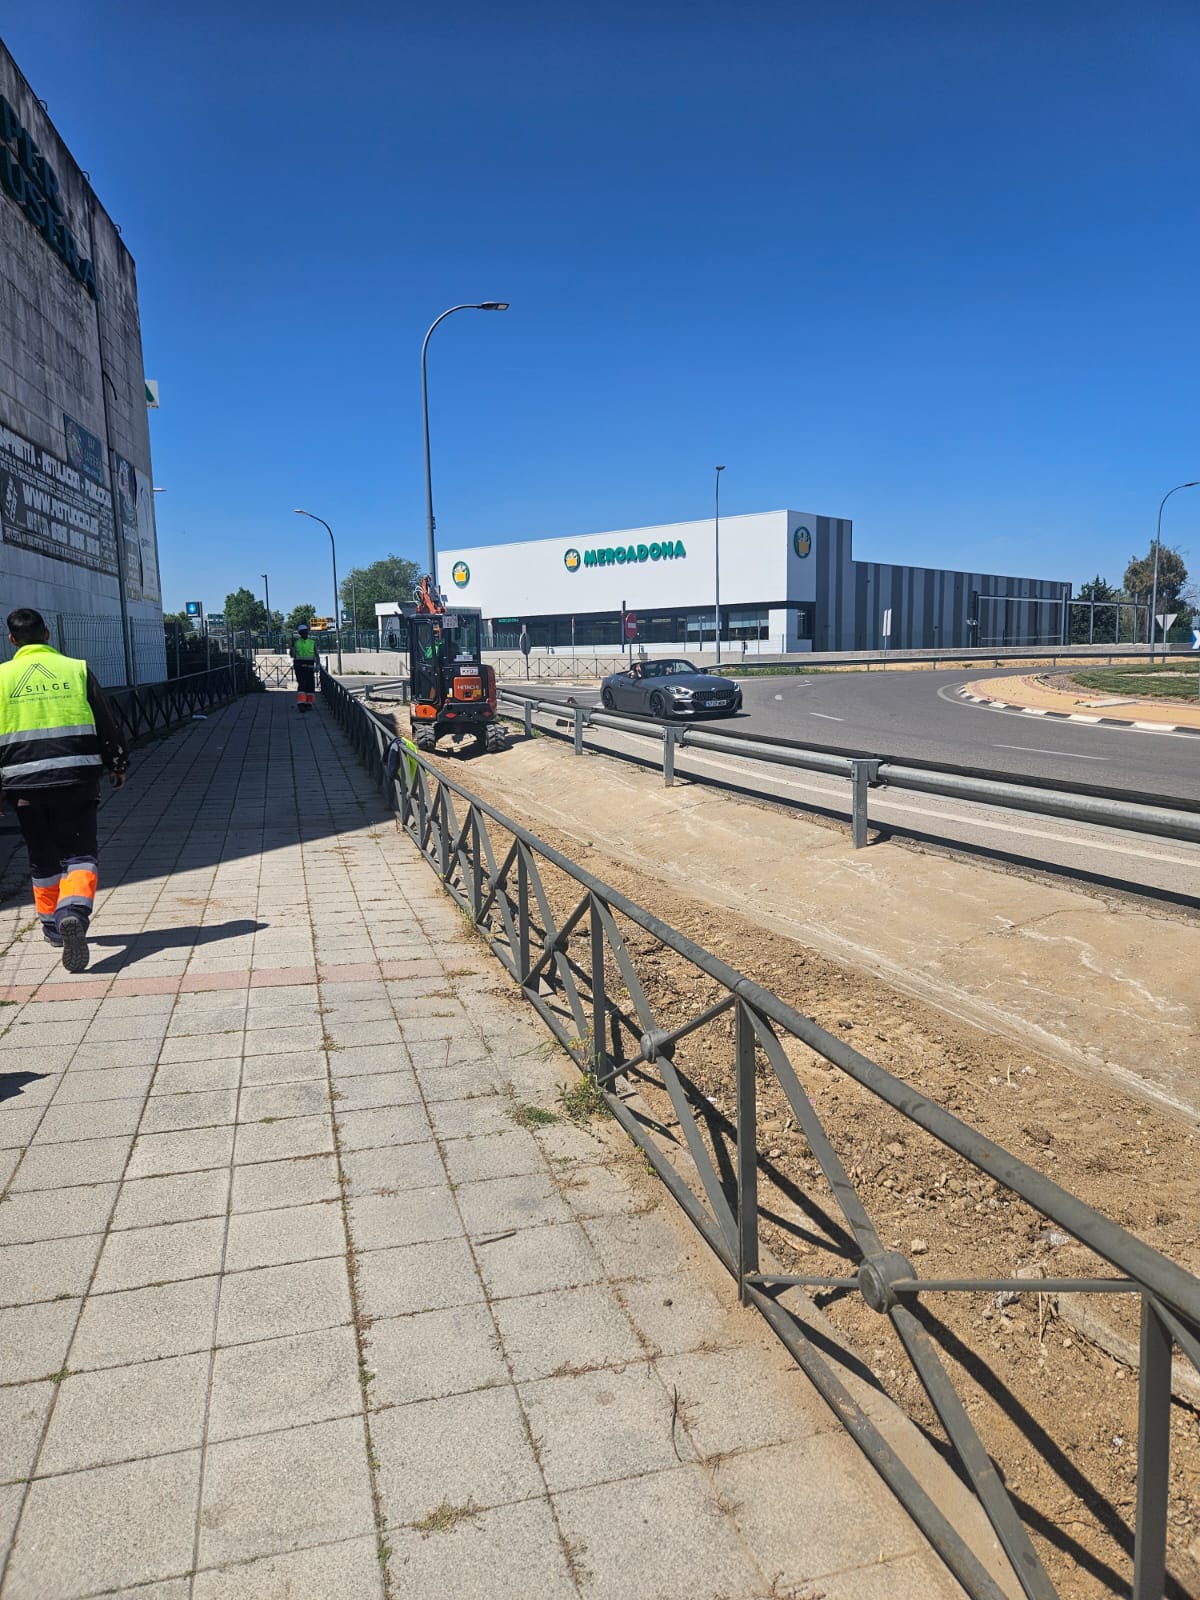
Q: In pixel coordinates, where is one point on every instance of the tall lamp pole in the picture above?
(267, 588)
(717, 555)
(484, 305)
(1157, 547)
(337, 607)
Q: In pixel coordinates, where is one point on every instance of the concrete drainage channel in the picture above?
(573, 946)
(865, 773)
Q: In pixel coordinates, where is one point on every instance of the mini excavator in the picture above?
(452, 690)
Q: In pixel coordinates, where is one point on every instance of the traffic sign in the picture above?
(886, 629)
(1165, 619)
(195, 608)
(631, 626)
(216, 619)
(1196, 638)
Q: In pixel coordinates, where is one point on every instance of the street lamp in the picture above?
(337, 613)
(267, 588)
(1157, 547)
(717, 556)
(484, 305)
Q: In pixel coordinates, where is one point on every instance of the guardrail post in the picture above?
(578, 730)
(747, 1150)
(669, 737)
(864, 773)
(599, 994)
(522, 914)
(1154, 1456)
(529, 719)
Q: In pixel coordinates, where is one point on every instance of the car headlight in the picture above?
(681, 691)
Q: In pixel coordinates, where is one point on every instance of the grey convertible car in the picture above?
(669, 688)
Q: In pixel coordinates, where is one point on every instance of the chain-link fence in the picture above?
(97, 640)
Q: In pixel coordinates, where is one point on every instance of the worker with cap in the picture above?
(57, 735)
(305, 662)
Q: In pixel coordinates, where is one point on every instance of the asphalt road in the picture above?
(918, 715)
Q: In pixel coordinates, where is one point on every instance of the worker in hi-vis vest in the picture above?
(305, 662)
(57, 735)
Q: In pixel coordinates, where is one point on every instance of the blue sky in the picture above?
(932, 267)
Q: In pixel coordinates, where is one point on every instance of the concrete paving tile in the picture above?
(773, 1399)
(196, 1077)
(271, 1302)
(113, 1083)
(470, 1119)
(23, 1411)
(475, 1081)
(915, 1577)
(268, 1185)
(509, 1153)
(54, 1058)
(434, 1053)
(283, 1041)
(509, 1550)
(135, 1257)
(20, 1124)
(288, 1137)
(530, 1200)
(417, 1277)
(304, 1098)
(48, 1269)
(203, 1108)
(628, 1430)
(383, 1125)
(557, 1256)
(95, 1120)
(350, 1570)
(178, 1197)
(417, 1215)
(146, 1027)
(202, 1047)
(387, 1171)
(191, 1150)
(621, 1189)
(213, 1019)
(377, 1089)
(172, 1589)
(55, 1166)
(567, 1330)
(646, 1246)
(695, 1552)
(360, 1061)
(804, 1536)
(292, 1233)
(47, 1214)
(285, 1067)
(145, 1324)
(105, 1054)
(281, 1491)
(346, 1033)
(34, 1339)
(676, 1313)
(285, 1383)
(108, 1527)
(28, 1090)
(433, 1353)
(29, 1036)
(464, 1447)
(123, 1412)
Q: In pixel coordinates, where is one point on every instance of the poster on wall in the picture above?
(49, 506)
(135, 501)
(84, 451)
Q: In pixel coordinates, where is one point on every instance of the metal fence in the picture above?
(97, 640)
(584, 975)
(153, 708)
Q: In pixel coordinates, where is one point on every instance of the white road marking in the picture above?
(1038, 751)
(1034, 711)
(779, 697)
(826, 716)
(1078, 716)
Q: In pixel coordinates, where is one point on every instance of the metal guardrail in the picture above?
(152, 708)
(580, 973)
(865, 773)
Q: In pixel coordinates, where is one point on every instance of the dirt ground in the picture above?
(1058, 1415)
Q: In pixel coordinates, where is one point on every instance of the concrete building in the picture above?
(77, 533)
(789, 582)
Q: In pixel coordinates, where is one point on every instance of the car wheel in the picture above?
(658, 706)
(607, 697)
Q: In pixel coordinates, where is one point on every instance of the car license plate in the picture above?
(709, 703)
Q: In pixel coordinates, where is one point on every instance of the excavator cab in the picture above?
(452, 691)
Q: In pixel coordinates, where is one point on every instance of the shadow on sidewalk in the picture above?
(12, 1083)
(138, 946)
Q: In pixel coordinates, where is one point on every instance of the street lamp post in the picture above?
(717, 557)
(353, 614)
(267, 588)
(337, 609)
(484, 305)
(1157, 547)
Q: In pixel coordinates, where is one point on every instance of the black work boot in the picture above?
(74, 942)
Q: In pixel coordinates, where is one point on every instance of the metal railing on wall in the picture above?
(564, 937)
(153, 708)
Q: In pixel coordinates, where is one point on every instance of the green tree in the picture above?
(244, 613)
(382, 583)
(1102, 628)
(299, 614)
(1172, 575)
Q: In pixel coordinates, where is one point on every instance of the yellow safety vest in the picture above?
(306, 650)
(47, 730)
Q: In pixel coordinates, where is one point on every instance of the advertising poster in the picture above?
(84, 451)
(49, 506)
(135, 506)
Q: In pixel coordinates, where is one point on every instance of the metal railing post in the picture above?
(747, 1150)
(578, 730)
(863, 774)
(529, 719)
(522, 913)
(1154, 1456)
(669, 735)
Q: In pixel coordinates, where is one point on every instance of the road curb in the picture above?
(991, 703)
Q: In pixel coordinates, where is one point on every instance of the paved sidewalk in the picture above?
(299, 1297)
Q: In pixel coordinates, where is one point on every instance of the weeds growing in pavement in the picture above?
(444, 1517)
(583, 1099)
(527, 1116)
